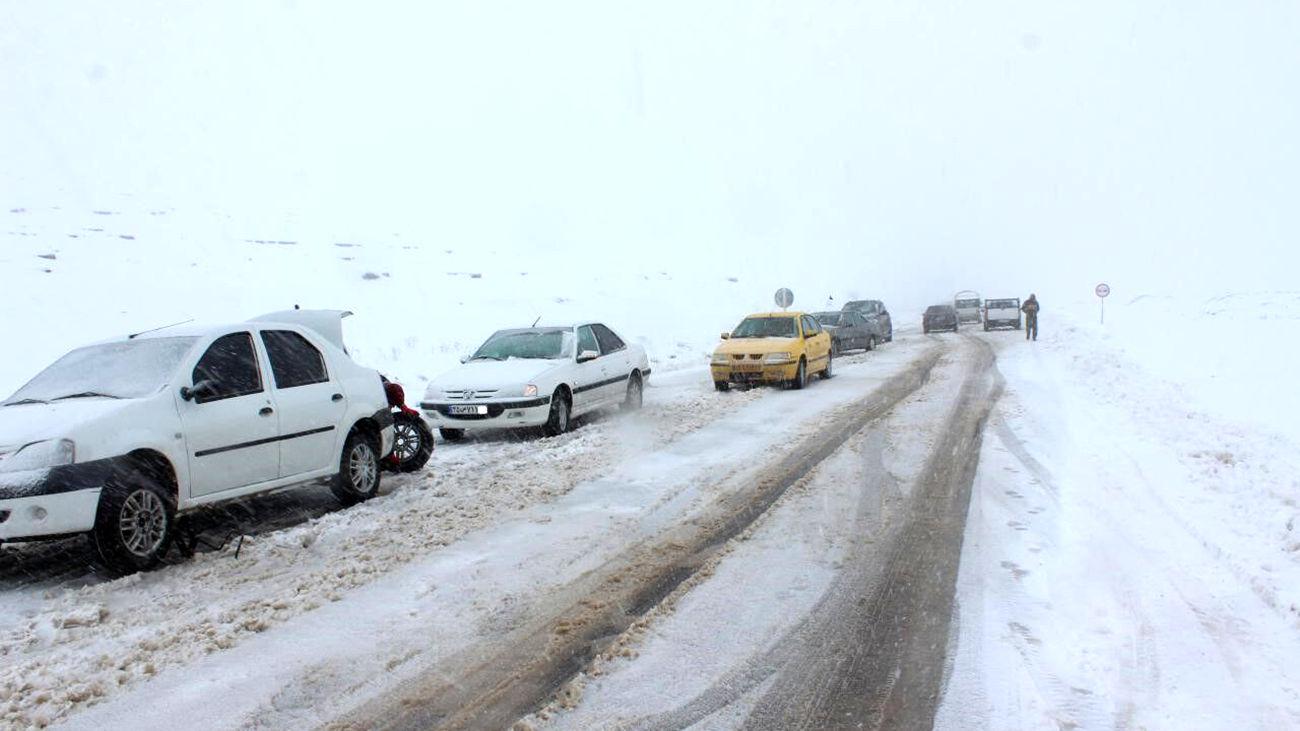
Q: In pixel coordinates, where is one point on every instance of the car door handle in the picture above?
(266, 411)
(336, 397)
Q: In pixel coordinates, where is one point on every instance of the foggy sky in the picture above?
(875, 147)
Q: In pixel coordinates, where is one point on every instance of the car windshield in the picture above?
(966, 304)
(765, 327)
(128, 369)
(858, 306)
(549, 344)
(831, 319)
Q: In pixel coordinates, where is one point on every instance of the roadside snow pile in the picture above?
(1210, 382)
(1233, 354)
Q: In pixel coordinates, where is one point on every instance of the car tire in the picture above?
(133, 524)
(561, 414)
(800, 376)
(836, 349)
(412, 442)
(358, 476)
(890, 337)
(871, 343)
(452, 435)
(829, 371)
(721, 386)
(635, 392)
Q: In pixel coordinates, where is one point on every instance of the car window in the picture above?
(587, 340)
(609, 342)
(294, 360)
(810, 326)
(766, 327)
(231, 364)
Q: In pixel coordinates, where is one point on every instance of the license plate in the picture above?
(749, 367)
(466, 410)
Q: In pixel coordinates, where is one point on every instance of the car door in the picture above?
(886, 321)
(616, 364)
(311, 402)
(587, 387)
(856, 331)
(816, 344)
(231, 428)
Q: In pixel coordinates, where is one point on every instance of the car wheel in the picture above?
(412, 442)
(829, 372)
(722, 386)
(890, 337)
(452, 435)
(358, 476)
(133, 525)
(835, 347)
(800, 376)
(635, 393)
(871, 343)
(558, 422)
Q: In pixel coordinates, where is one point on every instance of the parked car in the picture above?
(940, 317)
(116, 439)
(537, 377)
(877, 315)
(1002, 313)
(848, 331)
(773, 347)
(968, 305)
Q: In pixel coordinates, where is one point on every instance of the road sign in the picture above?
(1103, 290)
(784, 298)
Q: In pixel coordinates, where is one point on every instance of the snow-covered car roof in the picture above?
(326, 323)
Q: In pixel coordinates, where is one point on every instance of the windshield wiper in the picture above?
(487, 357)
(86, 394)
(25, 401)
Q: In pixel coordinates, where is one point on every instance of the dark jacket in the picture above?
(1030, 307)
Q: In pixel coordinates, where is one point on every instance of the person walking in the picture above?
(1030, 308)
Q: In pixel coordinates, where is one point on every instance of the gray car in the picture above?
(876, 315)
(849, 331)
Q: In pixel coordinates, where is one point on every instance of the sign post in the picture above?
(784, 298)
(1103, 291)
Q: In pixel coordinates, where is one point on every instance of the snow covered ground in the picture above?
(1133, 554)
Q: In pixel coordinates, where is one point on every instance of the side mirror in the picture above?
(725, 336)
(587, 355)
(203, 389)
(464, 359)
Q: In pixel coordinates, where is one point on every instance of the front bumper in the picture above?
(763, 373)
(496, 414)
(55, 514)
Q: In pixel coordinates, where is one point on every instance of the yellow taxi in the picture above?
(772, 347)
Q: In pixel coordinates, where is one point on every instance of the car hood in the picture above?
(486, 374)
(746, 346)
(26, 423)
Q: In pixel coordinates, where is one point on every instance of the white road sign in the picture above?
(784, 298)
(1103, 290)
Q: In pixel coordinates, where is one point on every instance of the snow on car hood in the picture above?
(744, 346)
(487, 374)
(23, 424)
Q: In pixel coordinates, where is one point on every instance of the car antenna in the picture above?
(133, 336)
(539, 319)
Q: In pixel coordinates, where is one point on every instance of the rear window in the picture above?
(828, 318)
(965, 304)
(1001, 304)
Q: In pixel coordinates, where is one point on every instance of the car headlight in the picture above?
(40, 456)
(720, 359)
(530, 390)
(777, 358)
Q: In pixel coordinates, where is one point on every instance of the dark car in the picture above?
(849, 330)
(876, 315)
(940, 317)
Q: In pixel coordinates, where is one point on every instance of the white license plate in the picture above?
(466, 410)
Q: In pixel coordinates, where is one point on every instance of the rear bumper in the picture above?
(504, 414)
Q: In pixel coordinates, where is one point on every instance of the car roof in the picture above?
(776, 314)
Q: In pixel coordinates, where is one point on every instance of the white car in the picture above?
(1002, 313)
(116, 439)
(537, 377)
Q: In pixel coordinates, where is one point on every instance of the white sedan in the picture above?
(117, 439)
(537, 377)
